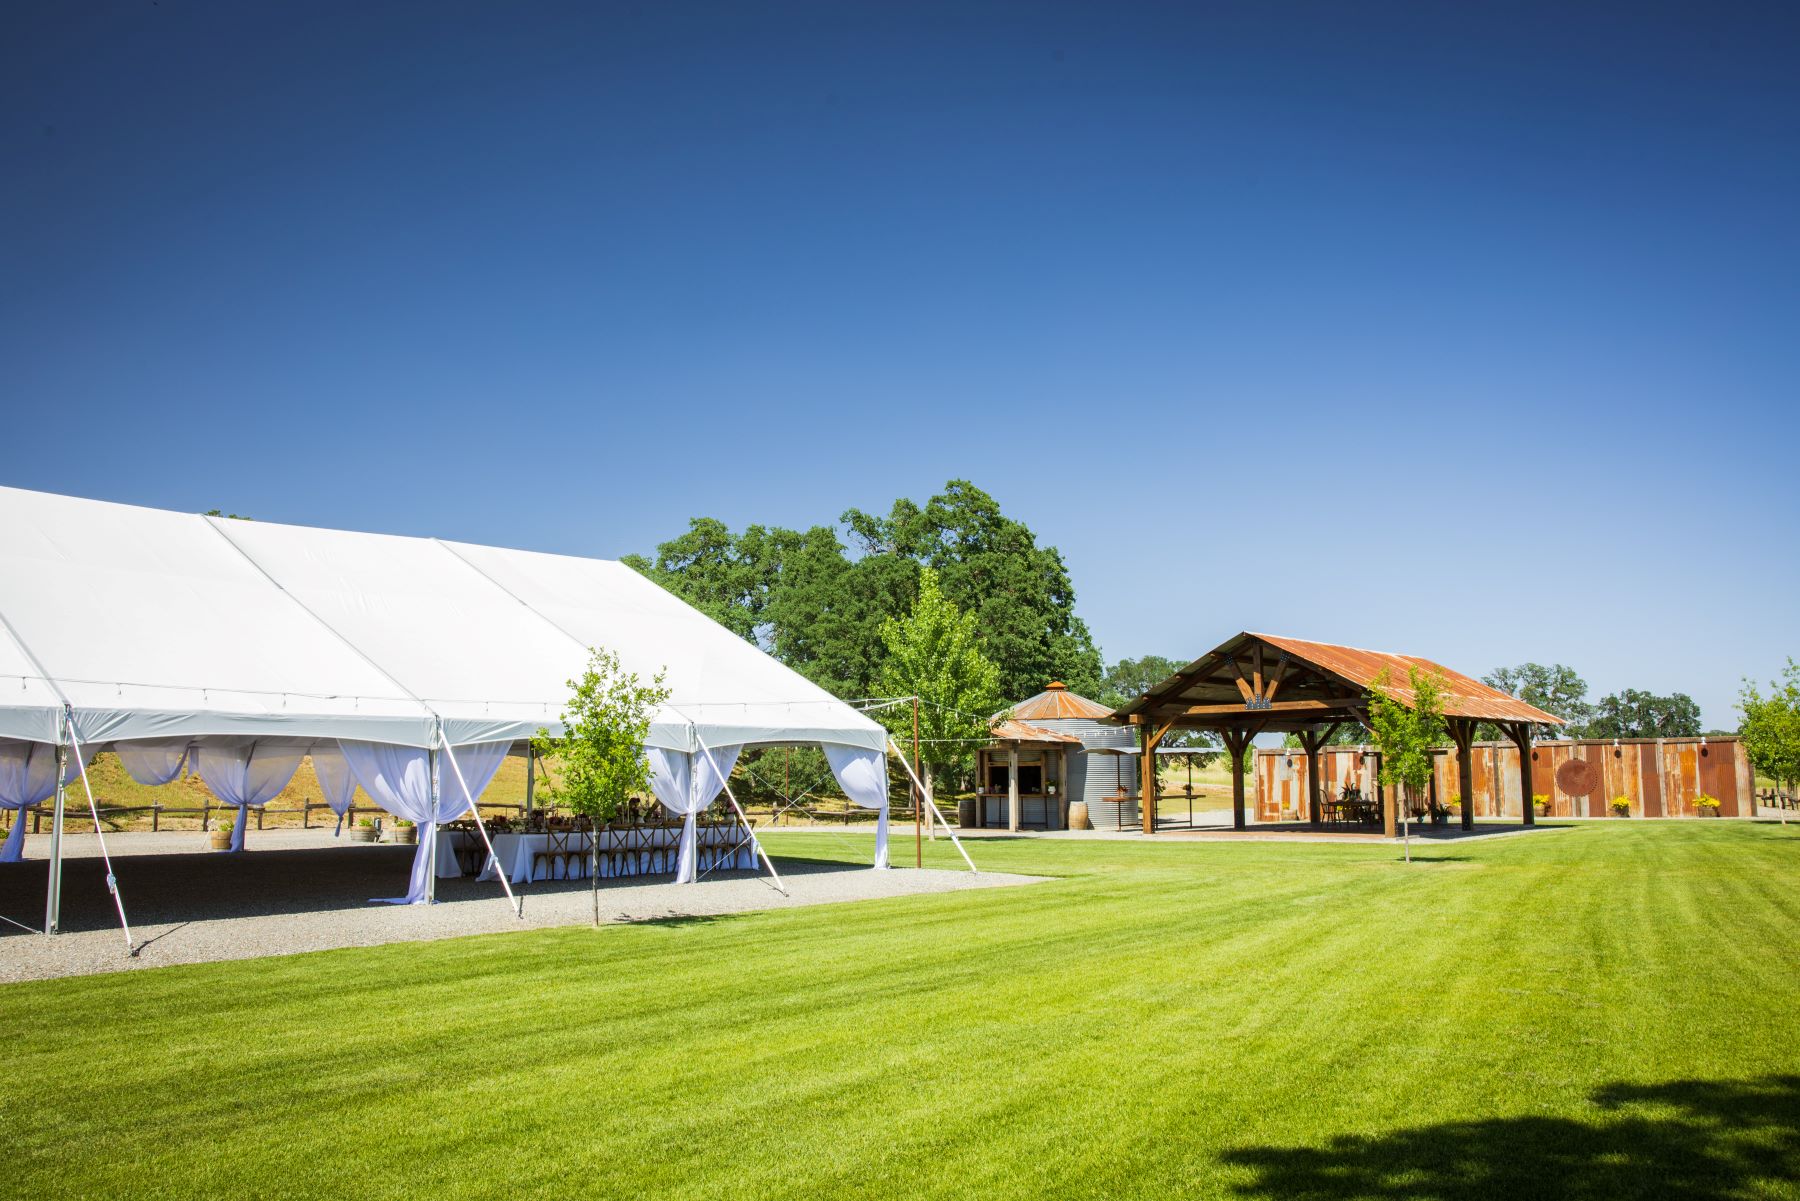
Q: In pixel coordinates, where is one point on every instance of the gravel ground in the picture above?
(301, 890)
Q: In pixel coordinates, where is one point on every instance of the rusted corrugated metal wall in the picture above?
(1660, 777)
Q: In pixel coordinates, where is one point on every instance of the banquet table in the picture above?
(637, 851)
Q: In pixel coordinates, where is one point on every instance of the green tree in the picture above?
(727, 577)
(819, 606)
(1771, 725)
(935, 654)
(1555, 689)
(599, 756)
(1635, 714)
(1405, 733)
(991, 566)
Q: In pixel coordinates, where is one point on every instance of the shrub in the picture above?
(366, 823)
(402, 823)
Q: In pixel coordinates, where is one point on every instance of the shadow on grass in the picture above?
(1693, 1139)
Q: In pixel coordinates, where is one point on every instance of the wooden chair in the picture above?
(557, 849)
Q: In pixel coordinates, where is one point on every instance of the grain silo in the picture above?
(1063, 752)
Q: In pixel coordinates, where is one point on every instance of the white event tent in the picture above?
(239, 646)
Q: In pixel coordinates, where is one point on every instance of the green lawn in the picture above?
(1595, 1011)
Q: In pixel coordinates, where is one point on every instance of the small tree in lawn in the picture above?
(934, 653)
(599, 757)
(1405, 735)
(1771, 726)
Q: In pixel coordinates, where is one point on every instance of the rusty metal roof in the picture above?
(1057, 703)
(1218, 680)
(1018, 731)
(1463, 697)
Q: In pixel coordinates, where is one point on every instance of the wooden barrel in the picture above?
(1078, 816)
(965, 812)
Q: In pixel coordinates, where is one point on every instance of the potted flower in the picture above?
(1706, 806)
(1454, 805)
(1541, 804)
(363, 830)
(219, 839)
(1621, 806)
(405, 833)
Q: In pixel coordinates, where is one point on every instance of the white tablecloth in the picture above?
(637, 852)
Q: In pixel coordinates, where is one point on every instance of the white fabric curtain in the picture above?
(686, 785)
(335, 780)
(248, 775)
(154, 762)
(398, 778)
(27, 776)
(863, 777)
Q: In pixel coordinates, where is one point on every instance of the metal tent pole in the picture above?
(53, 895)
(917, 783)
(754, 840)
(431, 851)
(499, 871)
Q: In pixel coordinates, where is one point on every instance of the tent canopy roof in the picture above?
(159, 624)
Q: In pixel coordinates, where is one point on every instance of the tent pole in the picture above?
(499, 871)
(53, 896)
(530, 780)
(934, 808)
(754, 840)
(112, 880)
(431, 872)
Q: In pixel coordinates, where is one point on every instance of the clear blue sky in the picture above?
(1248, 308)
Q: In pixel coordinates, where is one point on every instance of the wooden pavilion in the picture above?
(1259, 683)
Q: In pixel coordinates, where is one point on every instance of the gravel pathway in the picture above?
(301, 890)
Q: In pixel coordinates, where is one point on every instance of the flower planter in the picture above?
(362, 833)
(219, 840)
(406, 836)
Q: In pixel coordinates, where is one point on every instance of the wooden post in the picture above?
(1521, 734)
(1313, 741)
(1147, 777)
(1462, 733)
(1012, 787)
(1062, 786)
(1388, 805)
(1236, 741)
(919, 801)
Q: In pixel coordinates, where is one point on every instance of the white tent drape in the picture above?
(863, 777)
(335, 780)
(154, 761)
(398, 778)
(247, 774)
(477, 764)
(687, 784)
(27, 776)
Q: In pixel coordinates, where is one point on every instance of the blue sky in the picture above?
(1465, 333)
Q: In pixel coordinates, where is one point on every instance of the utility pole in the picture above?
(919, 800)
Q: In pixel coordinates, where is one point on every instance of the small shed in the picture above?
(1062, 750)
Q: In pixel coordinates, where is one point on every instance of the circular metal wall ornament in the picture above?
(1577, 777)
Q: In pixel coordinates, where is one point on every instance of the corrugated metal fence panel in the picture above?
(1660, 778)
